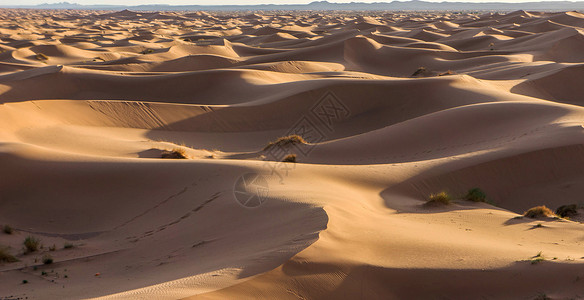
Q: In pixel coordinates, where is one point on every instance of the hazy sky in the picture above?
(191, 2)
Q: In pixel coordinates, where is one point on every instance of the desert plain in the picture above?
(140, 151)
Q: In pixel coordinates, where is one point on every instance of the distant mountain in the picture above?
(416, 5)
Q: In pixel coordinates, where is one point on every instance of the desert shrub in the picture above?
(537, 258)
(5, 255)
(176, 153)
(147, 51)
(24, 281)
(476, 195)
(31, 244)
(420, 72)
(285, 141)
(449, 72)
(538, 212)
(7, 229)
(53, 247)
(47, 259)
(41, 57)
(441, 198)
(290, 158)
(567, 210)
(68, 246)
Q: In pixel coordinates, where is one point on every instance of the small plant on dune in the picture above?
(68, 246)
(5, 255)
(542, 296)
(47, 259)
(285, 141)
(421, 71)
(475, 195)
(538, 212)
(492, 46)
(31, 244)
(41, 57)
(290, 158)
(537, 258)
(441, 198)
(147, 51)
(53, 247)
(176, 153)
(449, 72)
(567, 210)
(7, 229)
(24, 281)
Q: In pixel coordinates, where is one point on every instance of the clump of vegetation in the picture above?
(147, 51)
(441, 198)
(7, 229)
(449, 72)
(537, 259)
(176, 153)
(567, 210)
(538, 212)
(41, 57)
(421, 72)
(68, 246)
(47, 259)
(24, 281)
(492, 46)
(476, 195)
(285, 141)
(542, 296)
(31, 244)
(290, 158)
(5, 255)
(53, 247)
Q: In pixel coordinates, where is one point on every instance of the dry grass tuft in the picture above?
(176, 153)
(449, 72)
(31, 244)
(41, 57)
(286, 140)
(5, 255)
(538, 212)
(290, 158)
(421, 72)
(441, 198)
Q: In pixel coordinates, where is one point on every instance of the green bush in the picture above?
(7, 229)
(476, 195)
(47, 259)
(567, 210)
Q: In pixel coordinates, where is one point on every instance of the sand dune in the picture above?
(392, 106)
